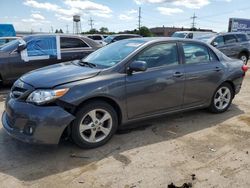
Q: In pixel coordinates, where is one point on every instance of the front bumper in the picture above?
(35, 124)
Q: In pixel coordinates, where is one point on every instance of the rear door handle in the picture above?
(178, 74)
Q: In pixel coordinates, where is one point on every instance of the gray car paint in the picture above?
(138, 96)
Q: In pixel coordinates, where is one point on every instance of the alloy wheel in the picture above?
(222, 98)
(96, 125)
(244, 59)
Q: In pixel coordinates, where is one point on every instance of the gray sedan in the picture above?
(121, 83)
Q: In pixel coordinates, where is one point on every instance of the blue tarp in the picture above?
(7, 30)
(40, 46)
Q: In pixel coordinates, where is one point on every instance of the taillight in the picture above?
(244, 68)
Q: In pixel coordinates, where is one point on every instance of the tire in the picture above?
(244, 57)
(222, 98)
(1, 81)
(95, 124)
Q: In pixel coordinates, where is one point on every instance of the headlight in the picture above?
(43, 96)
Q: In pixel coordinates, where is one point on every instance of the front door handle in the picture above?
(217, 69)
(178, 74)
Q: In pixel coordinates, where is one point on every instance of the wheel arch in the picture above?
(231, 84)
(106, 99)
(245, 51)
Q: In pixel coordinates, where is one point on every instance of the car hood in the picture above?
(58, 74)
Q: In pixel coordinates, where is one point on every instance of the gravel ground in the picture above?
(214, 148)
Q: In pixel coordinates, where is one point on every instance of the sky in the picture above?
(120, 15)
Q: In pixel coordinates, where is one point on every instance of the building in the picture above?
(168, 31)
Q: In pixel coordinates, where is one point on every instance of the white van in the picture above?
(191, 34)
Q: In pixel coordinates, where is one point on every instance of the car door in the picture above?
(203, 72)
(160, 87)
(227, 44)
(73, 48)
(40, 51)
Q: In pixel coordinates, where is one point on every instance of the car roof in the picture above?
(164, 39)
(194, 32)
(10, 37)
(124, 34)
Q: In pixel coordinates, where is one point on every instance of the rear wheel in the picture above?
(95, 124)
(222, 98)
(244, 57)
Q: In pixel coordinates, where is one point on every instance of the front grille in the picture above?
(20, 90)
(17, 92)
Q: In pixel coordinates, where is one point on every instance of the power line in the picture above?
(91, 22)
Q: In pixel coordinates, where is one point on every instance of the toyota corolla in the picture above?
(121, 83)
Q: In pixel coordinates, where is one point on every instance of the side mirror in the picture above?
(215, 44)
(137, 66)
(21, 47)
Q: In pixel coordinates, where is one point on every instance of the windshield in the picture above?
(179, 35)
(109, 39)
(10, 45)
(205, 38)
(112, 54)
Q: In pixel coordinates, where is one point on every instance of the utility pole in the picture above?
(139, 19)
(91, 22)
(193, 21)
(67, 28)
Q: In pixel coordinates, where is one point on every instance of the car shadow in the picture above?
(31, 162)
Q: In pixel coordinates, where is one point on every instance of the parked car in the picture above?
(117, 37)
(191, 34)
(98, 38)
(4, 40)
(235, 45)
(36, 51)
(121, 83)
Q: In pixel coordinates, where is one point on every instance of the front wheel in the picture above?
(222, 98)
(95, 124)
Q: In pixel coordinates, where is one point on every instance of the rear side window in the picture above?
(67, 42)
(229, 39)
(195, 53)
(160, 55)
(242, 37)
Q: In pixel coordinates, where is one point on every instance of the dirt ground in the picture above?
(215, 148)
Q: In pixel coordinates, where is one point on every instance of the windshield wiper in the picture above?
(85, 63)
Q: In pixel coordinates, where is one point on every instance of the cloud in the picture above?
(125, 17)
(169, 11)
(72, 7)
(38, 16)
(128, 15)
(194, 4)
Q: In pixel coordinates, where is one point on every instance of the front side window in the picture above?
(229, 39)
(42, 46)
(66, 42)
(160, 55)
(195, 53)
(219, 41)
